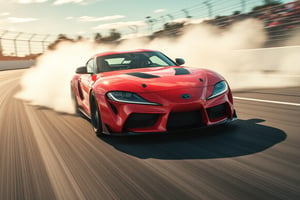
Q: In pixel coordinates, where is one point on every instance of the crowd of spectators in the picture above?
(279, 20)
(286, 16)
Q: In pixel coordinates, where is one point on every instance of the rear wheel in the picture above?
(96, 117)
(75, 102)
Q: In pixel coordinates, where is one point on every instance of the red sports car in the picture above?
(144, 91)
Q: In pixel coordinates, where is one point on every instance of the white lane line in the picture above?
(63, 182)
(267, 101)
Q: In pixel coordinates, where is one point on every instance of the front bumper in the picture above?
(172, 116)
(226, 121)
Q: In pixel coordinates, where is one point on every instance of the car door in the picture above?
(85, 83)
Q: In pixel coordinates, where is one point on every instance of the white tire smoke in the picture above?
(48, 82)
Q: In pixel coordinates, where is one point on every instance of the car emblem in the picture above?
(185, 96)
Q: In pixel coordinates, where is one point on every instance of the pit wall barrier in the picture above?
(277, 59)
(284, 59)
(18, 64)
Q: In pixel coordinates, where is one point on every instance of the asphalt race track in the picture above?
(49, 155)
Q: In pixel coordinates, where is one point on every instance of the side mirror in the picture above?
(81, 70)
(179, 61)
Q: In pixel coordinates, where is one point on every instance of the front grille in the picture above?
(183, 120)
(141, 120)
(216, 111)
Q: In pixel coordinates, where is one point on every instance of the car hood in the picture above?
(156, 79)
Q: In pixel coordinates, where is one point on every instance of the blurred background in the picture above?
(281, 21)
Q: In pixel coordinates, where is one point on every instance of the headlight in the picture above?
(220, 88)
(129, 97)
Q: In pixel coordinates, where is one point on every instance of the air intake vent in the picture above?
(142, 75)
(181, 71)
(216, 112)
(184, 120)
(141, 120)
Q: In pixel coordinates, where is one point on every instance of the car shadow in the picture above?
(243, 137)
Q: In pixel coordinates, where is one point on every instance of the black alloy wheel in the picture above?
(96, 117)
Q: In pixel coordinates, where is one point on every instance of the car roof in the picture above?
(120, 52)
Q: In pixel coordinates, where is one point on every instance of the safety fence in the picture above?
(23, 44)
(280, 21)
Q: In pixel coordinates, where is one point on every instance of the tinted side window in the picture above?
(157, 61)
(90, 66)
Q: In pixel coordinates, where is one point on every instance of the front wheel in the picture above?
(96, 117)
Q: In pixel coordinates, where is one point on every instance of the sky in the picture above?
(84, 17)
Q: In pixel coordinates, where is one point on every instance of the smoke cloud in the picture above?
(235, 53)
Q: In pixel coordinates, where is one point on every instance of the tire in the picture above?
(96, 117)
(75, 102)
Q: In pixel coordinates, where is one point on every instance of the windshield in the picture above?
(132, 61)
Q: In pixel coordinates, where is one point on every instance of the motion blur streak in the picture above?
(205, 46)
(267, 101)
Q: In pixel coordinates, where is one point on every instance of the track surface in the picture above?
(49, 155)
